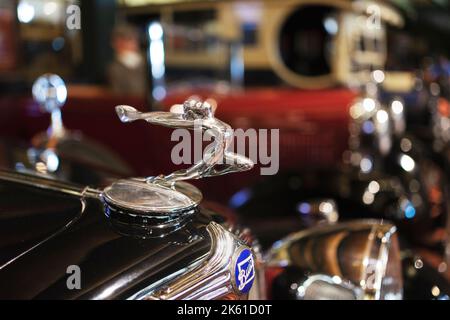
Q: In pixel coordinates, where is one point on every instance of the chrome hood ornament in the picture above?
(166, 201)
(196, 115)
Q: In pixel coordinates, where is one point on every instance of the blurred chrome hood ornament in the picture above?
(152, 199)
(50, 91)
(59, 152)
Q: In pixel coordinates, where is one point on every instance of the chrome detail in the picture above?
(318, 211)
(50, 92)
(165, 202)
(369, 119)
(48, 183)
(195, 115)
(365, 252)
(210, 278)
(54, 150)
(258, 291)
(325, 287)
(146, 197)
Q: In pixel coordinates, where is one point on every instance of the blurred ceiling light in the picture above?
(368, 127)
(155, 31)
(378, 76)
(366, 165)
(248, 12)
(356, 111)
(397, 107)
(368, 198)
(326, 207)
(442, 267)
(435, 291)
(159, 93)
(410, 211)
(405, 145)
(304, 208)
(157, 60)
(368, 104)
(373, 187)
(50, 8)
(240, 198)
(382, 116)
(331, 26)
(25, 12)
(407, 163)
(58, 43)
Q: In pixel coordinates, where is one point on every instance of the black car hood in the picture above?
(47, 226)
(29, 215)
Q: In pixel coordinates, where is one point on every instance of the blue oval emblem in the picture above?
(244, 271)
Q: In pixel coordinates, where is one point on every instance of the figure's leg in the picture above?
(233, 162)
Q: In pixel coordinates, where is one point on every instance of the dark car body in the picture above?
(48, 226)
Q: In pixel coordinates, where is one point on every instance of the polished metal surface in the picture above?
(364, 252)
(196, 115)
(146, 197)
(169, 195)
(213, 278)
(324, 287)
(144, 210)
(45, 182)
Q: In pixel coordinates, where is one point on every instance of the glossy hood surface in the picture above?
(47, 226)
(75, 159)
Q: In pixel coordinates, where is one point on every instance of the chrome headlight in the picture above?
(365, 253)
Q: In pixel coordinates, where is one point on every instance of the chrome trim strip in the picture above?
(211, 278)
(48, 184)
(74, 220)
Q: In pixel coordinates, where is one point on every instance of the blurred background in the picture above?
(294, 65)
(358, 89)
(201, 37)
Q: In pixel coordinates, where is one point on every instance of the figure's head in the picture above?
(197, 110)
(125, 38)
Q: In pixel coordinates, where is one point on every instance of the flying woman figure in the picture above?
(196, 114)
